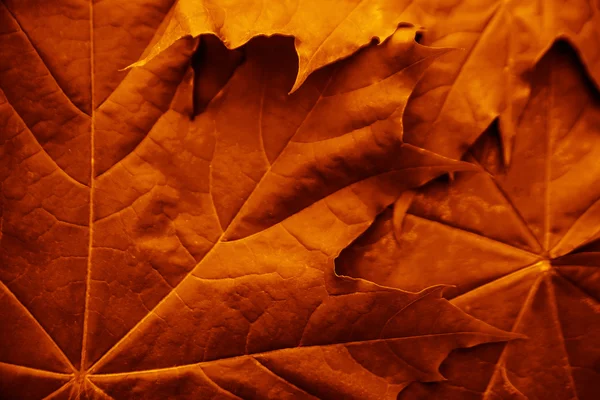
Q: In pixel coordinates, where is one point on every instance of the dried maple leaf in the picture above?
(501, 40)
(459, 96)
(147, 254)
(324, 31)
(520, 243)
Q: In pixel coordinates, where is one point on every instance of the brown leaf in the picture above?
(145, 253)
(333, 32)
(501, 40)
(520, 244)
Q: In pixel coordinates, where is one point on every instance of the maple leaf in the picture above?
(520, 243)
(460, 95)
(335, 31)
(147, 253)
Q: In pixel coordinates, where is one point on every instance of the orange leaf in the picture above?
(519, 242)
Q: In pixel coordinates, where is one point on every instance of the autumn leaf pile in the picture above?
(305, 199)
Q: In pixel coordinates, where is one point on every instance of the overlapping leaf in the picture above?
(198, 252)
(459, 97)
(324, 32)
(501, 40)
(168, 231)
(283, 200)
(519, 243)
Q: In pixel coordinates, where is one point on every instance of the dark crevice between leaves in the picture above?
(419, 37)
(213, 65)
(565, 50)
(488, 150)
(563, 47)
